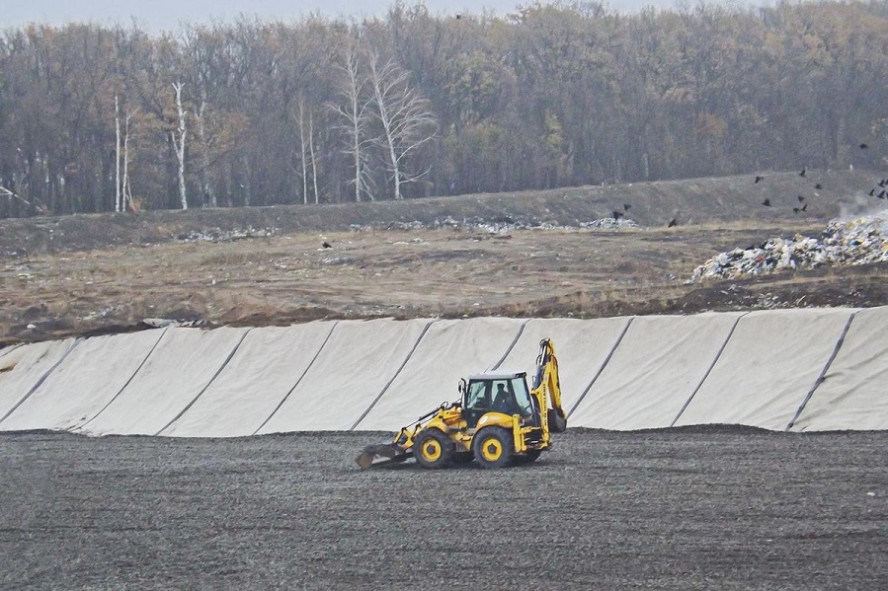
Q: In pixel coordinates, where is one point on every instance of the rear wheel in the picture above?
(432, 448)
(493, 447)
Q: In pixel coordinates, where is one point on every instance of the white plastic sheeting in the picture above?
(351, 371)
(767, 368)
(265, 368)
(581, 346)
(24, 368)
(450, 350)
(87, 380)
(853, 392)
(653, 373)
(817, 369)
(177, 372)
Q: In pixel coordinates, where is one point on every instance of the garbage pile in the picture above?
(500, 225)
(844, 242)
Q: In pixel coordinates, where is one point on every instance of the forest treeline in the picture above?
(414, 104)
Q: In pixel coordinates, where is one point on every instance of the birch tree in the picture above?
(356, 113)
(178, 136)
(306, 149)
(123, 197)
(405, 117)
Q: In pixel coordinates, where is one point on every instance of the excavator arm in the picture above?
(547, 390)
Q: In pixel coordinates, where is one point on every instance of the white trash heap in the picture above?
(844, 242)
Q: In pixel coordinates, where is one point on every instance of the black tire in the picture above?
(493, 447)
(462, 458)
(432, 449)
(528, 457)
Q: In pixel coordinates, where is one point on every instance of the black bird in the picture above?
(872, 192)
(818, 186)
(627, 206)
(617, 214)
(883, 182)
(804, 170)
(758, 179)
(801, 199)
(326, 244)
(805, 207)
(672, 223)
(796, 210)
(766, 203)
(881, 194)
(863, 146)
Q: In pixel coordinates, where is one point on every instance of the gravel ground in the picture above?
(678, 509)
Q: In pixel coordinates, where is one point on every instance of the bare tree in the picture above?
(126, 189)
(357, 119)
(118, 205)
(178, 138)
(209, 194)
(406, 119)
(307, 154)
(122, 191)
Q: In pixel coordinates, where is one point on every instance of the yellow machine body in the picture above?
(497, 422)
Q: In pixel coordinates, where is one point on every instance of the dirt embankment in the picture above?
(524, 254)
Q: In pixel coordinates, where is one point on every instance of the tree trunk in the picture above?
(178, 136)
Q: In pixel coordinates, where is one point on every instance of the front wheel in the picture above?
(493, 447)
(432, 448)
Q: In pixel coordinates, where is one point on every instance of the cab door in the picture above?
(478, 402)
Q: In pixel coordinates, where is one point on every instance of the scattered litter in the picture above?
(502, 225)
(220, 235)
(844, 242)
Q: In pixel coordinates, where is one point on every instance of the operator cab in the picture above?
(504, 392)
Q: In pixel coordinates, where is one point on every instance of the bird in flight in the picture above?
(326, 245)
(804, 170)
(766, 203)
(617, 214)
(818, 186)
(758, 179)
(673, 222)
(864, 146)
(801, 199)
(627, 206)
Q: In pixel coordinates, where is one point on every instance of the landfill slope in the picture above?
(852, 391)
(671, 510)
(689, 201)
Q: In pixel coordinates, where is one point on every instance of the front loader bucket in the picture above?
(378, 455)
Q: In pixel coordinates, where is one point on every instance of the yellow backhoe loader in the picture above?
(497, 422)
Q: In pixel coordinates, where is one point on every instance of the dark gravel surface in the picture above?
(681, 509)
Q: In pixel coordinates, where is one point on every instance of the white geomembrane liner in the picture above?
(22, 369)
(89, 377)
(767, 368)
(655, 369)
(266, 366)
(581, 347)
(178, 370)
(358, 361)
(853, 394)
(450, 350)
